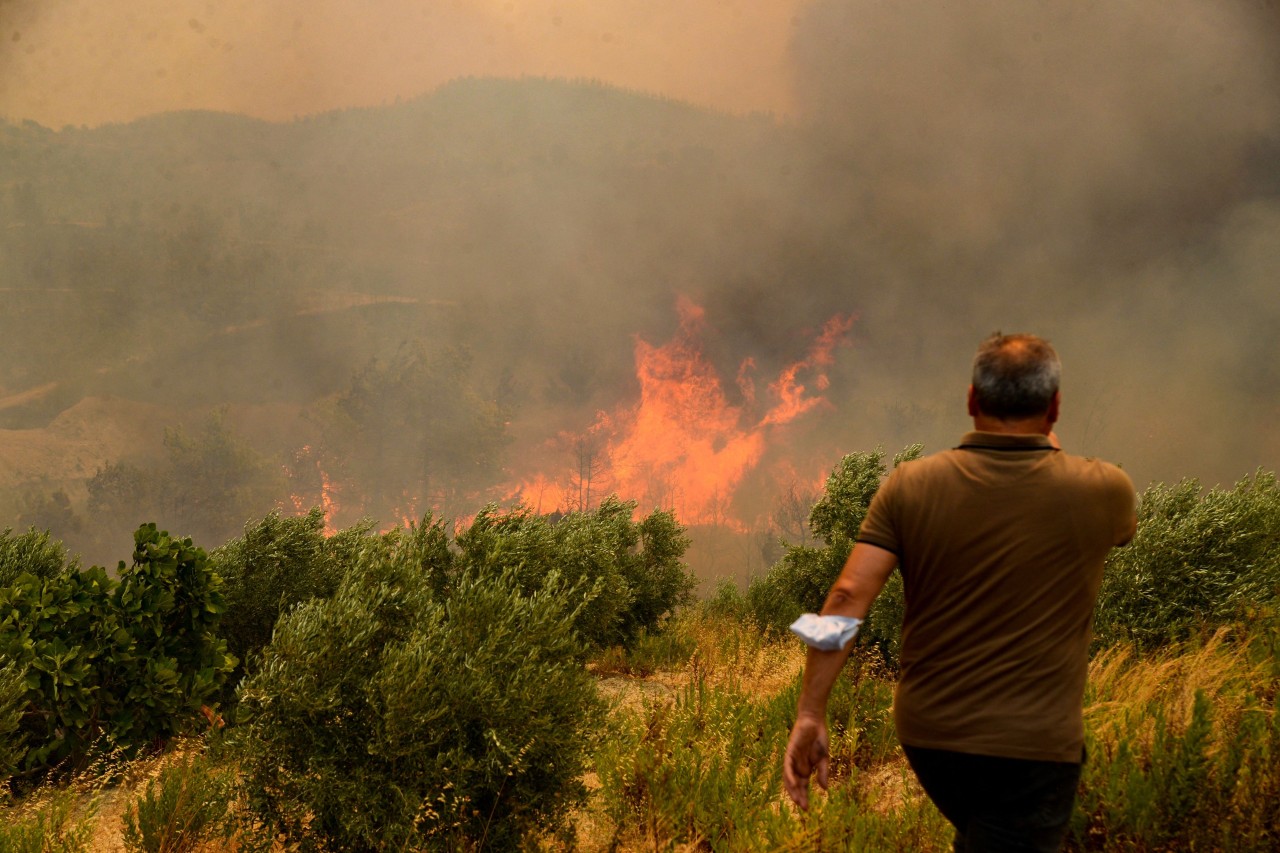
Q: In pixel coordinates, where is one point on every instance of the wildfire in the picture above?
(684, 446)
(306, 469)
(328, 502)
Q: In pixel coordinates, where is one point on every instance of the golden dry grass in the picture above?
(1125, 689)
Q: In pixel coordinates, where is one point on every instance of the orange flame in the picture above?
(790, 392)
(684, 446)
(329, 503)
(307, 468)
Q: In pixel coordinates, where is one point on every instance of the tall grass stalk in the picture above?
(1184, 747)
(187, 802)
(52, 820)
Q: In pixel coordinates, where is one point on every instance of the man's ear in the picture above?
(1054, 406)
(974, 411)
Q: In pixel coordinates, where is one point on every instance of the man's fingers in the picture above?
(795, 780)
(806, 754)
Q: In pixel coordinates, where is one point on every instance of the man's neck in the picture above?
(1022, 426)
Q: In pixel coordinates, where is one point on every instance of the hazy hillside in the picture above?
(549, 231)
(543, 201)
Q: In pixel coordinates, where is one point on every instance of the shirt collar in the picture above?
(1004, 441)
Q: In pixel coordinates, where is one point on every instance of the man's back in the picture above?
(1000, 543)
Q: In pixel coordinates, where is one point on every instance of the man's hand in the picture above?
(806, 753)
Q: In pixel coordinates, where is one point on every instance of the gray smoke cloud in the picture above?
(1045, 125)
(1101, 173)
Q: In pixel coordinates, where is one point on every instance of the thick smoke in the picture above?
(1096, 172)
(1087, 131)
(92, 61)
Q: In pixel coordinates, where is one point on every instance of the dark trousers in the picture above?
(998, 804)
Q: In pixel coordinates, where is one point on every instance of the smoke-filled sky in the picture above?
(95, 61)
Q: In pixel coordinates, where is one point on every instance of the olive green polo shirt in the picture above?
(1000, 542)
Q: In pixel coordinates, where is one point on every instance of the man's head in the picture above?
(1015, 379)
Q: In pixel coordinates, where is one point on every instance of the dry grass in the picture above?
(1124, 689)
(1126, 692)
(130, 781)
(725, 653)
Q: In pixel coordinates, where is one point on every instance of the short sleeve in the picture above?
(879, 527)
(1125, 500)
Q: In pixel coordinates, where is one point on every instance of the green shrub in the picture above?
(699, 772)
(35, 552)
(634, 568)
(13, 703)
(1184, 788)
(123, 662)
(725, 602)
(279, 562)
(800, 581)
(392, 715)
(659, 580)
(186, 804)
(1182, 745)
(170, 601)
(1197, 562)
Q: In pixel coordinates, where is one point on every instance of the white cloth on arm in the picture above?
(825, 633)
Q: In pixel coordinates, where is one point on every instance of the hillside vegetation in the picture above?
(548, 683)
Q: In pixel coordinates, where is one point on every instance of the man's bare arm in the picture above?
(861, 580)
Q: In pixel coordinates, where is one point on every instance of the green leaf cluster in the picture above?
(1199, 560)
(421, 707)
(634, 568)
(35, 552)
(279, 562)
(104, 661)
(799, 582)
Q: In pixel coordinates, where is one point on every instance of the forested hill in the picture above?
(457, 141)
(531, 199)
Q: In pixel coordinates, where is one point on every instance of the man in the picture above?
(1001, 543)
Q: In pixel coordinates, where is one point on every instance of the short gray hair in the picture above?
(1015, 376)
